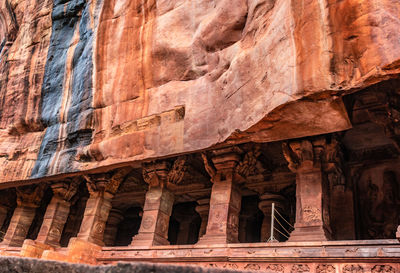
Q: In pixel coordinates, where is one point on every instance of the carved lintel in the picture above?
(30, 195)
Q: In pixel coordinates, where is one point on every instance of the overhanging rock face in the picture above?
(90, 84)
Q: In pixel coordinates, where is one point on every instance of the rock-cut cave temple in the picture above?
(257, 135)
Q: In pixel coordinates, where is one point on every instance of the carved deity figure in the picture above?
(382, 208)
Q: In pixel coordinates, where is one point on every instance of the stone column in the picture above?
(114, 219)
(102, 188)
(57, 212)
(225, 200)
(3, 214)
(265, 206)
(28, 200)
(157, 206)
(88, 243)
(53, 221)
(203, 209)
(312, 211)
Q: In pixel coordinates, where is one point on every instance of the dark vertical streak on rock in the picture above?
(66, 15)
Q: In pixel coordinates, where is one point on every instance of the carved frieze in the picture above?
(325, 268)
(353, 268)
(275, 268)
(383, 269)
(300, 268)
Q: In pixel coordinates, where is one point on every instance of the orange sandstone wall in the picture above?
(87, 84)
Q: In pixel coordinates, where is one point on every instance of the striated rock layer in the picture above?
(88, 84)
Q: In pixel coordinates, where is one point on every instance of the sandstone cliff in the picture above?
(87, 84)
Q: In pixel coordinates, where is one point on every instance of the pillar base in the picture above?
(309, 233)
(34, 249)
(82, 251)
(147, 240)
(54, 256)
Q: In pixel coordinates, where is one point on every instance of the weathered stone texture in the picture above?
(22, 265)
(88, 84)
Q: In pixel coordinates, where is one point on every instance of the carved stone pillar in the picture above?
(225, 200)
(28, 199)
(203, 209)
(57, 212)
(157, 207)
(114, 219)
(312, 211)
(265, 206)
(102, 188)
(53, 221)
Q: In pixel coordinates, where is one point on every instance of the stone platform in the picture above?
(328, 256)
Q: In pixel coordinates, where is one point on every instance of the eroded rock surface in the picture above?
(86, 84)
(23, 265)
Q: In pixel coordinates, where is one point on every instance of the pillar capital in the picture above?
(304, 155)
(30, 195)
(164, 173)
(65, 190)
(222, 164)
(105, 184)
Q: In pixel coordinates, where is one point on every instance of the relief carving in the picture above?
(253, 267)
(148, 222)
(99, 227)
(105, 184)
(250, 165)
(353, 268)
(382, 207)
(383, 269)
(177, 171)
(161, 173)
(209, 166)
(230, 266)
(300, 268)
(333, 163)
(275, 268)
(311, 214)
(325, 268)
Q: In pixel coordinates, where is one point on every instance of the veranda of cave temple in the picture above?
(340, 191)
